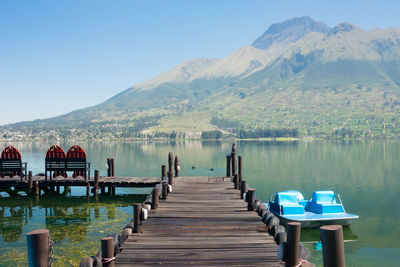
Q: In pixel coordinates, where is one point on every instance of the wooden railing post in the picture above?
(107, 251)
(38, 242)
(137, 210)
(293, 243)
(250, 197)
(154, 198)
(228, 165)
(332, 246)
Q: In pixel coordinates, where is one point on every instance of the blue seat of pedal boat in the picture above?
(287, 203)
(324, 202)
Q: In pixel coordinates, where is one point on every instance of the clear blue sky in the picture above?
(58, 56)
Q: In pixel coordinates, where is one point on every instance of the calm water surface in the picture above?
(366, 174)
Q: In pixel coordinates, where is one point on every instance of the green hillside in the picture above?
(340, 82)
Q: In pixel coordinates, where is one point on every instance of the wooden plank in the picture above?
(203, 222)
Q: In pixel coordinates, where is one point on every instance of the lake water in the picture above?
(366, 174)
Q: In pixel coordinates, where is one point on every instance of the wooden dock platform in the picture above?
(118, 181)
(203, 222)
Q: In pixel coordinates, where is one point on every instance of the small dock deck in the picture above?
(118, 181)
(203, 222)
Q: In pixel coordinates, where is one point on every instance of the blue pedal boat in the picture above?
(325, 207)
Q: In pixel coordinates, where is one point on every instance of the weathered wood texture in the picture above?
(203, 222)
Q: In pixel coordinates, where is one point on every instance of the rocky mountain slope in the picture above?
(341, 81)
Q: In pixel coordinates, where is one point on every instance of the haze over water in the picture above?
(365, 174)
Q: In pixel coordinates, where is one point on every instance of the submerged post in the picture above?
(137, 210)
(30, 182)
(228, 165)
(96, 182)
(293, 243)
(332, 246)
(233, 158)
(38, 242)
(154, 198)
(177, 167)
(107, 251)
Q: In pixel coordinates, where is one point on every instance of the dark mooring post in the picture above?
(96, 182)
(244, 187)
(108, 167)
(164, 191)
(177, 167)
(30, 182)
(154, 198)
(240, 169)
(37, 189)
(163, 171)
(107, 251)
(250, 197)
(87, 189)
(332, 246)
(137, 210)
(170, 178)
(233, 158)
(112, 168)
(293, 243)
(228, 165)
(38, 242)
(236, 181)
(170, 161)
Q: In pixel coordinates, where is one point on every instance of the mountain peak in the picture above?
(343, 27)
(289, 31)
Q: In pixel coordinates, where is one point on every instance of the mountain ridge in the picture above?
(298, 74)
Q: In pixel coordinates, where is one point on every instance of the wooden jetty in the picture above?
(202, 222)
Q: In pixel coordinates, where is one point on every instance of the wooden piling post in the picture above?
(170, 161)
(96, 182)
(240, 169)
(102, 190)
(108, 167)
(154, 198)
(170, 178)
(250, 197)
(38, 243)
(137, 210)
(37, 189)
(113, 190)
(30, 182)
(58, 189)
(236, 181)
(163, 171)
(177, 167)
(112, 168)
(107, 251)
(244, 187)
(233, 158)
(332, 246)
(293, 243)
(88, 190)
(228, 165)
(164, 191)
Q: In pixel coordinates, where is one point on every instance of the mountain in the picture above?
(340, 81)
